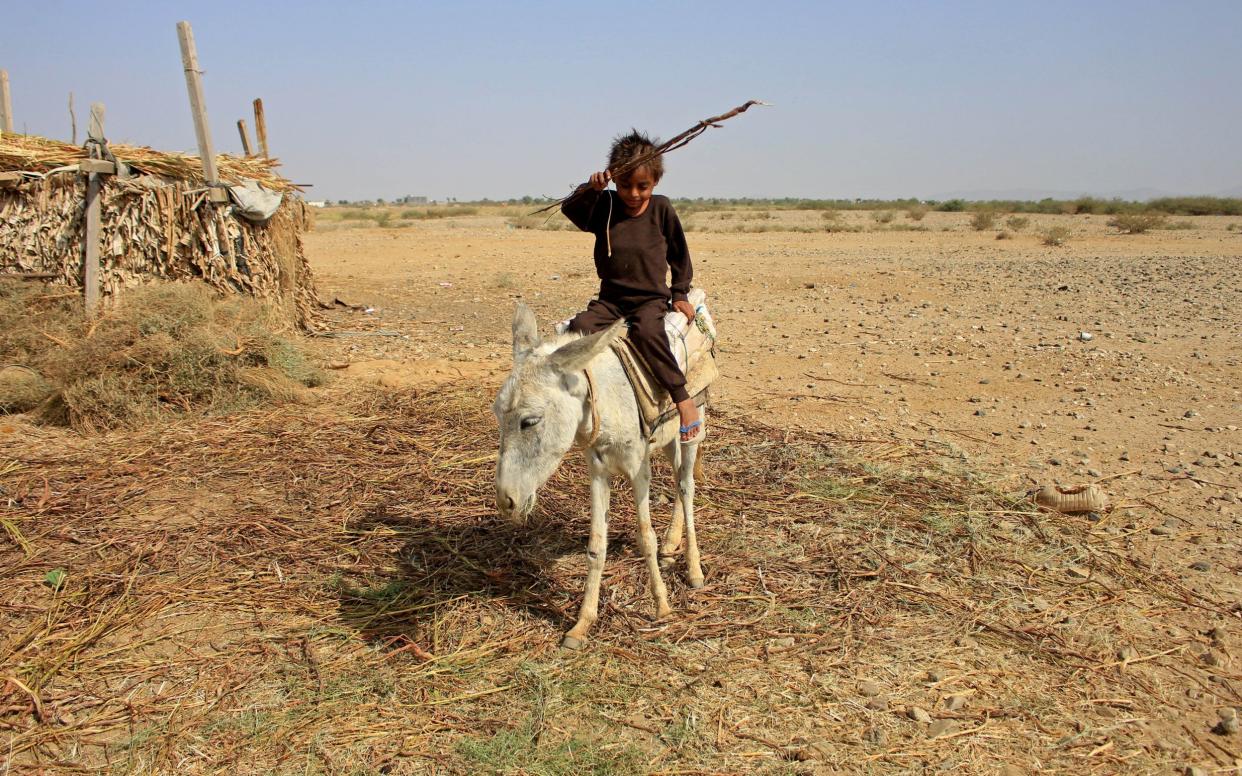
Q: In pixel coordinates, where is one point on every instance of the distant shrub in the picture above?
(1055, 235)
(430, 213)
(1017, 223)
(1181, 225)
(1002, 235)
(553, 223)
(830, 215)
(837, 226)
(1137, 223)
(882, 216)
(1197, 206)
(952, 206)
(916, 212)
(983, 220)
(907, 228)
(762, 215)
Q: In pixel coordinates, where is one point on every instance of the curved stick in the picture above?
(660, 150)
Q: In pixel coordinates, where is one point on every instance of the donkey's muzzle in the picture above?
(514, 509)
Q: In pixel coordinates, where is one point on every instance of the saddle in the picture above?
(694, 347)
(655, 407)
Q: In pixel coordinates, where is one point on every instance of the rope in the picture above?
(608, 224)
(595, 427)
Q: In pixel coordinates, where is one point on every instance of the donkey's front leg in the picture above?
(597, 550)
(647, 537)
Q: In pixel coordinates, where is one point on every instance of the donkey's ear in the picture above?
(525, 330)
(574, 356)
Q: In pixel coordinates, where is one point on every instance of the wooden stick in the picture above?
(90, 261)
(73, 122)
(6, 104)
(198, 107)
(245, 137)
(260, 127)
(660, 150)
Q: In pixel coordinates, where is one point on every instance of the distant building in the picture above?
(319, 203)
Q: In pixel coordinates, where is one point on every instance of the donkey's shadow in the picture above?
(438, 564)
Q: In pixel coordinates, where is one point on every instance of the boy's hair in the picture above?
(627, 148)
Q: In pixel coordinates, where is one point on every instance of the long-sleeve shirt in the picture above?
(634, 255)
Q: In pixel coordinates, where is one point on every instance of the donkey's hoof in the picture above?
(695, 582)
(571, 642)
(667, 562)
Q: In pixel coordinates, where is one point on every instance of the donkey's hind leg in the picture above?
(671, 546)
(685, 488)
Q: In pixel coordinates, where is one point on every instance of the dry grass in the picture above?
(39, 154)
(169, 349)
(1054, 235)
(326, 589)
(983, 220)
(1138, 223)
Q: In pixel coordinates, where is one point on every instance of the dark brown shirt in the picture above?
(644, 248)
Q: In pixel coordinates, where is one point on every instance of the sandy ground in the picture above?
(1112, 359)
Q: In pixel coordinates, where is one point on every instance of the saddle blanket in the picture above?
(693, 345)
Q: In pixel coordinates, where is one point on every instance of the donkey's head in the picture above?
(540, 409)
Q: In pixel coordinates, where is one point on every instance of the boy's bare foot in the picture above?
(691, 422)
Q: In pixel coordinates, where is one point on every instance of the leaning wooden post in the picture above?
(90, 262)
(245, 137)
(260, 127)
(6, 104)
(198, 107)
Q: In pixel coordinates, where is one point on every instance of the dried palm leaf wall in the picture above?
(155, 226)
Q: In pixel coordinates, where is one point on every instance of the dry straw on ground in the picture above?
(326, 589)
(167, 350)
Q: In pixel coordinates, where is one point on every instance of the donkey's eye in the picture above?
(528, 422)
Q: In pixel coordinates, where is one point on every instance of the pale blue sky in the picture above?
(502, 99)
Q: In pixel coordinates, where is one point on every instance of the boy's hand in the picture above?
(685, 308)
(599, 180)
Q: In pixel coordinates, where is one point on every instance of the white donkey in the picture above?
(573, 389)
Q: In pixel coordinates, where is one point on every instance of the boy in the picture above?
(638, 240)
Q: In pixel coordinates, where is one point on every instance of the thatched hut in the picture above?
(156, 222)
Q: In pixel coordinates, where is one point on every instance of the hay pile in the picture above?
(155, 226)
(351, 604)
(168, 350)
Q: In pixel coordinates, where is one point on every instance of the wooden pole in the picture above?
(6, 104)
(260, 127)
(73, 122)
(90, 262)
(245, 137)
(198, 107)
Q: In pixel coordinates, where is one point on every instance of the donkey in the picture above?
(573, 389)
